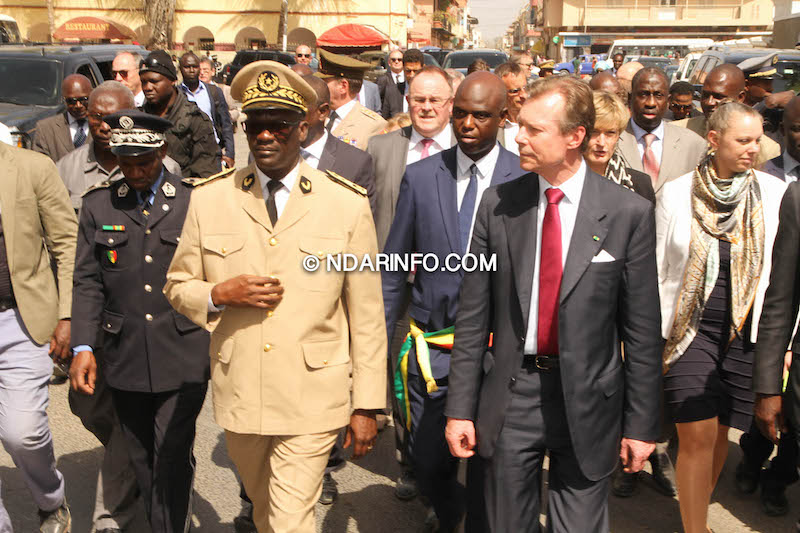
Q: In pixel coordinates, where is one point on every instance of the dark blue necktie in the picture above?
(80, 135)
(467, 207)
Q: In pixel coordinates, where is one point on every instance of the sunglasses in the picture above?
(395, 59)
(687, 107)
(280, 129)
(303, 55)
(122, 73)
(73, 101)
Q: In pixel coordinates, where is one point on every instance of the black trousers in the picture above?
(536, 423)
(782, 470)
(161, 429)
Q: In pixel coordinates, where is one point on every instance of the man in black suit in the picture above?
(787, 165)
(394, 100)
(394, 74)
(553, 378)
(155, 360)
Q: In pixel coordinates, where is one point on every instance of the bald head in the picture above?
(607, 82)
(113, 90)
(790, 126)
(723, 84)
(75, 89)
(629, 70)
(302, 69)
(491, 87)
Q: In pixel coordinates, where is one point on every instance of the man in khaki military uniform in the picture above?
(349, 121)
(284, 341)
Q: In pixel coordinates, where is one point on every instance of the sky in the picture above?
(494, 16)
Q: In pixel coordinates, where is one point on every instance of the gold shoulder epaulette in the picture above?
(99, 185)
(371, 114)
(346, 183)
(196, 182)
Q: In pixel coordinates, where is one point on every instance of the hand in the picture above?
(362, 432)
(633, 453)
(778, 100)
(228, 161)
(248, 291)
(83, 373)
(460, 435)
(768, 411)
(59, 342)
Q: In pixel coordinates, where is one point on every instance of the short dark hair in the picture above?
(478, 64)
(681, 88)
(648, 71)
(355, 85)
(508, 68)
(412, 55)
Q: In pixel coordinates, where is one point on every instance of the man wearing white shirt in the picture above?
(787, 165)
(60, 134)
(516, 78)
(435, 212)
(125, 69)
(394, 74)
(536, 365)
(395, 98)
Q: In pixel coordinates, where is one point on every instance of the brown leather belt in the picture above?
(541, 362)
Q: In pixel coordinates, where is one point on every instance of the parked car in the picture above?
(31, 76)
(686, 66)
(788, 65)
(587, 65)
(438, 53)
(378, 60)
(244, 57)
(462, 59)
(9, 30)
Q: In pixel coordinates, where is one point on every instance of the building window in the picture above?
(667, 3)
(206, 44)
(795, 7)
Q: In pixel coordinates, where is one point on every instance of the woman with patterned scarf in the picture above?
(715, 230)
(611, 117)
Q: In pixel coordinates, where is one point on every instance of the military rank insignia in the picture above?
(305, 185)
(248, 182)
(112, 256)
(168, 189)
(123, 190)
(108, 227)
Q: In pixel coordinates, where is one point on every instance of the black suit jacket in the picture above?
(351, 163)
(222, 120)
(781, 304)
(392, 102)
(642, 185)
(147, 346)
(601, 304)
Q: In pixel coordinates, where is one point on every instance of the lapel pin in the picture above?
(248, 182)
(123, 190)
(169, 190)
(305, 185)
(596, 238)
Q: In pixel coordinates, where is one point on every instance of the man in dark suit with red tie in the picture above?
(575, 275)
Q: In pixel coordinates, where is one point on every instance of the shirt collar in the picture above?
(485, 164)
(72, 120)
(153, 188)
(442, 139)
(572, 188)
(287, 181)
(345, 109)
(318, 146)
(789, 162)
(399, 76)
(200, 88)
(640, 132)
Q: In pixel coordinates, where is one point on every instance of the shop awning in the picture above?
(352, 35)
(418, 37)
(92, 28)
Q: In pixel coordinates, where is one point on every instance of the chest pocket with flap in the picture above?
(322, 248)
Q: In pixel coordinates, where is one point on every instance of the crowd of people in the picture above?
(644, 292)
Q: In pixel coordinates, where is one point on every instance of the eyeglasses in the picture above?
(515, 92)
(122, 73)
(73, 101)
(687, 107)
(280, 129)
(435, 102)
(395, 59)
(303, 55)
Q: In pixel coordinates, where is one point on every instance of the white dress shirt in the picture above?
(73, 126)
(658, 143)
(510, 130)
(342, 112)
(441, 141)
(485, 171)
(139, 99)
(791, 171)
(313, 153)
(567, 212)
(398, 77)
(405, 98)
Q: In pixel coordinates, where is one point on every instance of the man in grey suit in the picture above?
(652, 145)
(575, 275)
(369, 96)
(58, 135)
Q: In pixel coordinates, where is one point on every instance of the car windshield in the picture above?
(465, 60)
(27, 81)
(789, 79)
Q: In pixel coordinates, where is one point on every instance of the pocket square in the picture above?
(603, 257)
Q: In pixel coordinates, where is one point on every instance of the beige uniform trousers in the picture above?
(282, 475)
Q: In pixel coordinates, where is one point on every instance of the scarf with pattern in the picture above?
(722, 209)
(617, 172)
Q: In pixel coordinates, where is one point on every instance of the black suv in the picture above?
(788, 65)
(243, 57)
(31, 76)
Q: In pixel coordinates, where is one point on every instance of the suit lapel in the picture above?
(128, 204)
(8, 195)
(252, 196)
(587, 237)
(162, 204)
(65, 136)
(328, 159)
(299, 203)
(520, 223)
(446, 188)
(502, 169)
(630, 150)
(399, 154)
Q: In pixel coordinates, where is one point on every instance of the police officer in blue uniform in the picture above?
(155, 360)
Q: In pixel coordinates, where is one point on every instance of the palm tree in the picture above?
(160, 16)
(282, 24)
(51, 20)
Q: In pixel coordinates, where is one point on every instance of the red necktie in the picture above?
(550, 270)
(649, 161)
(426, 144)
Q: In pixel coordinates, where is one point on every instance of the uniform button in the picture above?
(148, 259)
(165, 207)
(273, 241)
(148, 317)
(223, 250)
(110, 241)
(324, 361)
(108, 325)
(267, 347)
(147, 232)
(511, 382)
(269, 314)
(320, 254)
(179, 239)
(148, 288)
